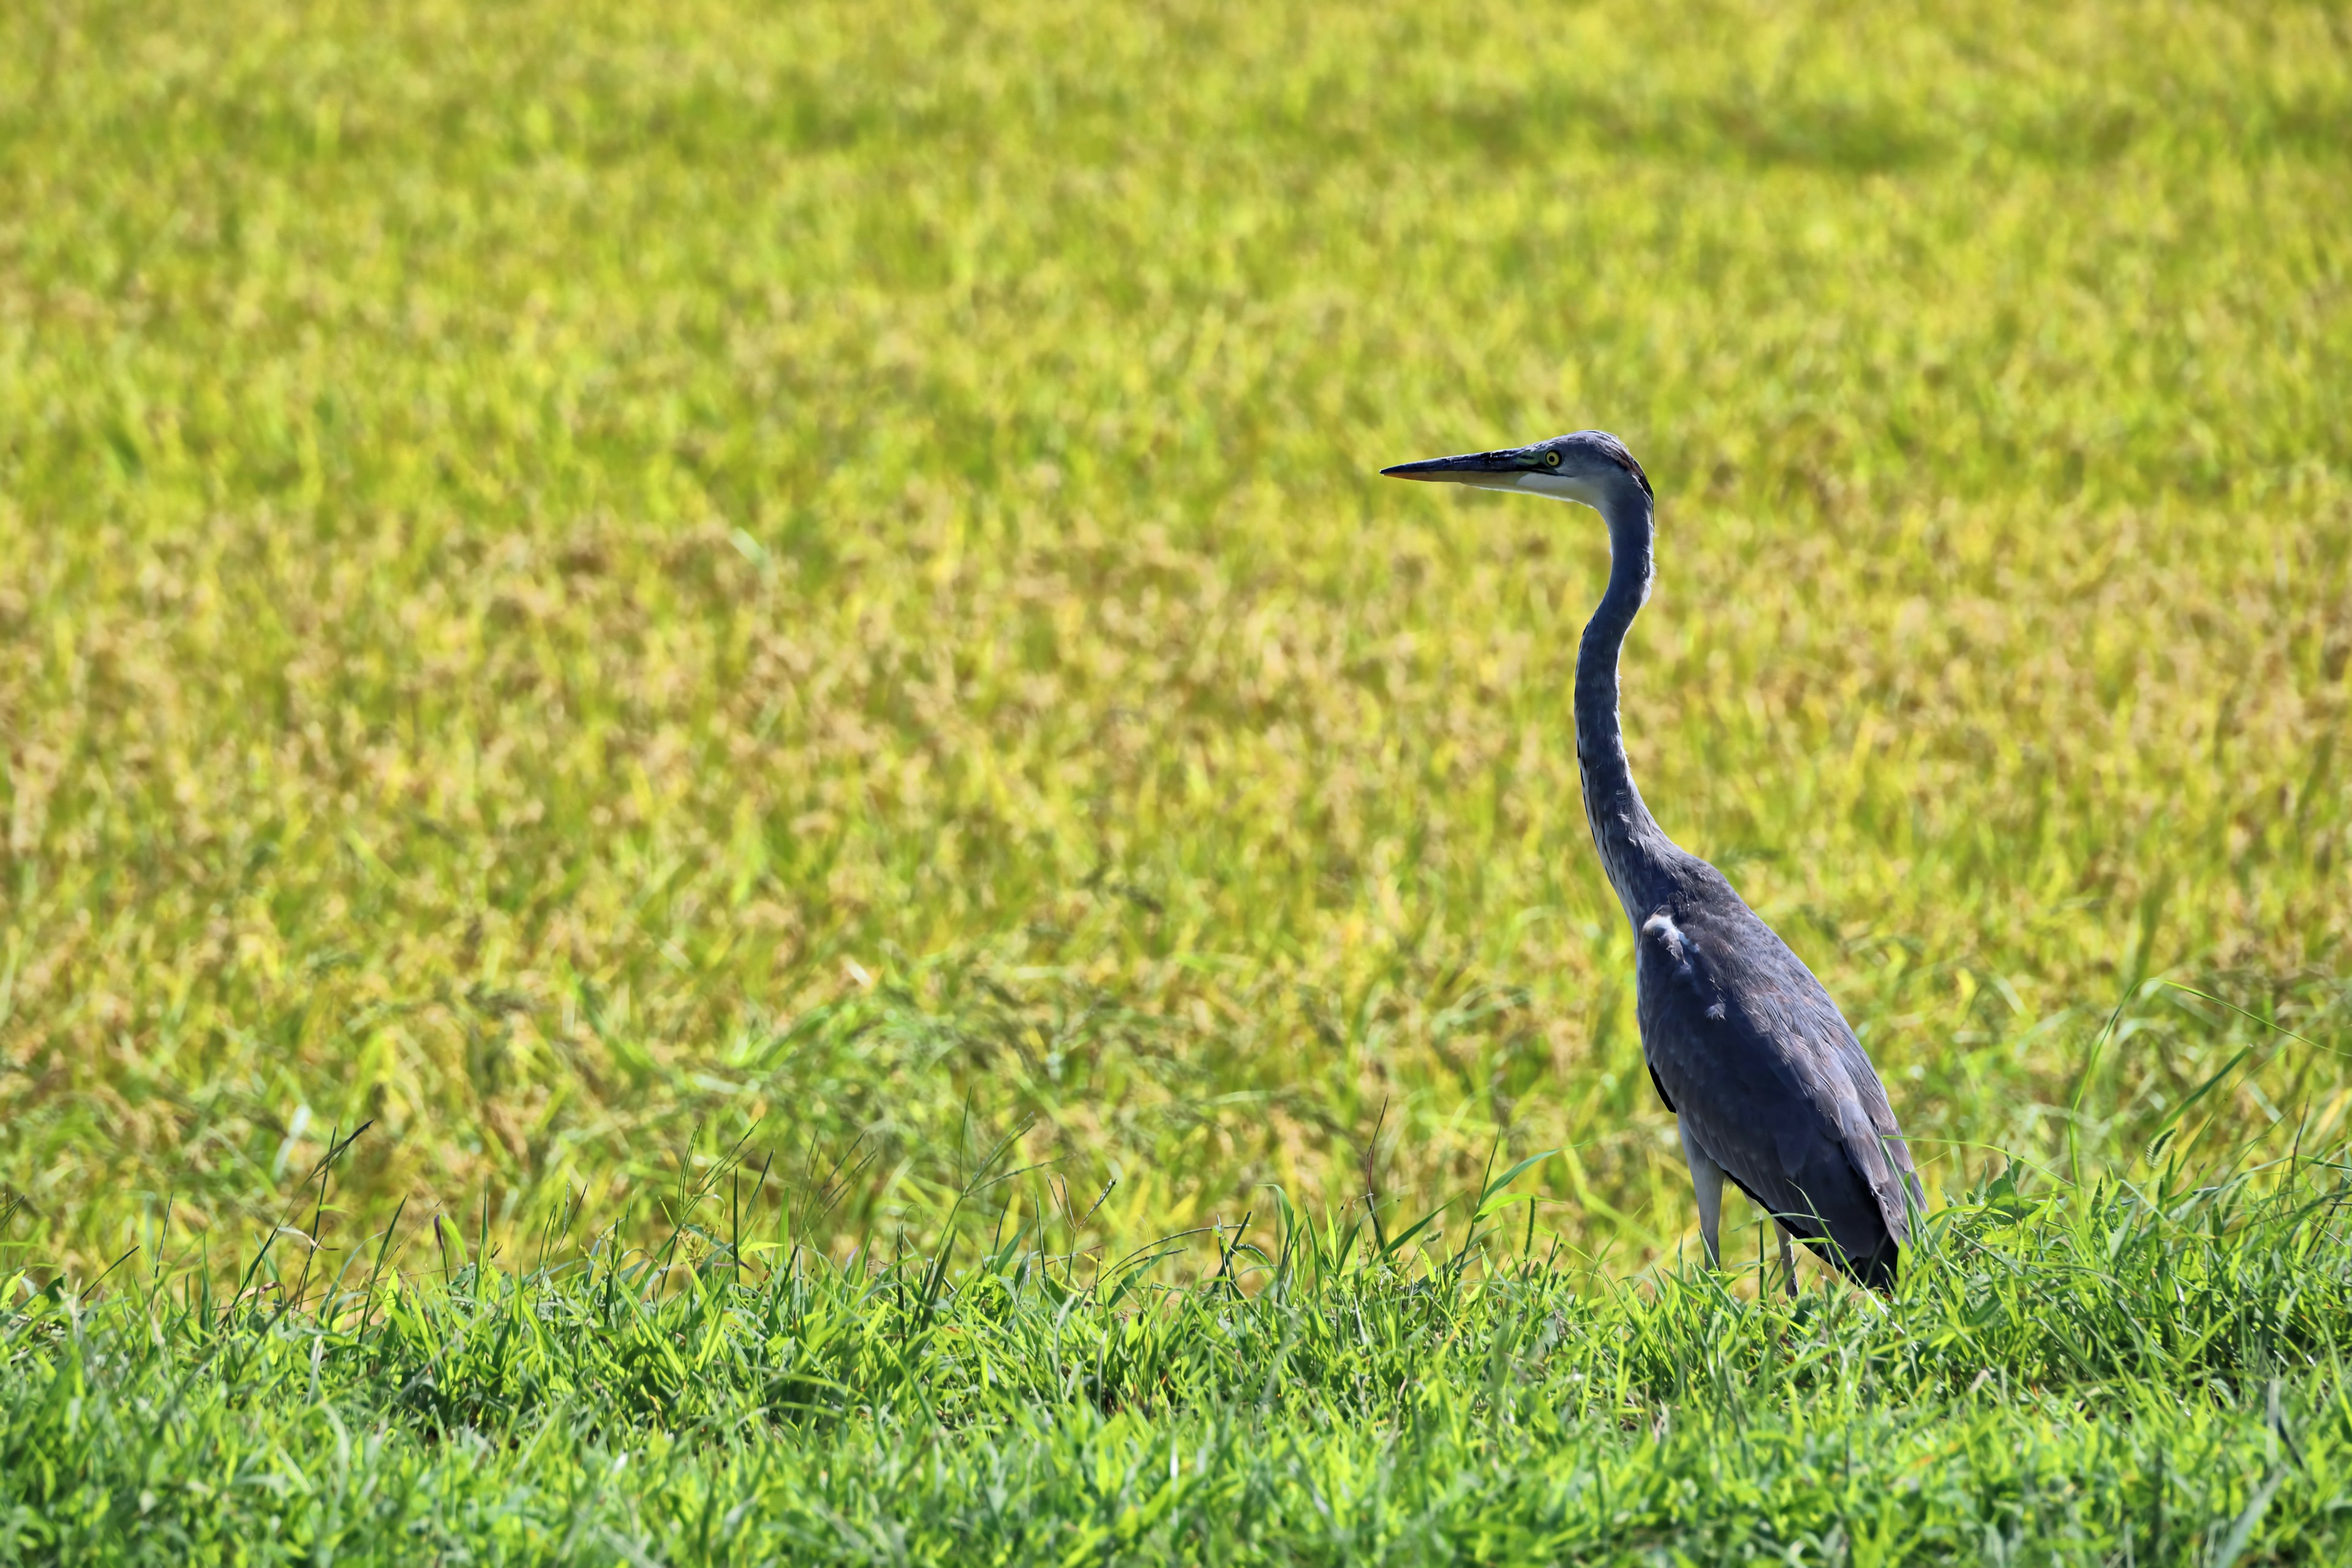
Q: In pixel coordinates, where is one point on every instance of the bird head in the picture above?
(1591, 467)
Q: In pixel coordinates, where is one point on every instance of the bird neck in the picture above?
(1633, 848)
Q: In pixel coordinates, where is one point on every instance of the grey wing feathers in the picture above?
(1756, 1060)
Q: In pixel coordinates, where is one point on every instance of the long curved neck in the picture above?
(1633, 848)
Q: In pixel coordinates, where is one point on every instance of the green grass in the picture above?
(628, 595)
(2085, 1377)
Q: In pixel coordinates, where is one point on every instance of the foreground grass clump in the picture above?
(2077, 1374)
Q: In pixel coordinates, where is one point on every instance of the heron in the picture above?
(1764, 1077)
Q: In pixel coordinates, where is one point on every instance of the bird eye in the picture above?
(1551, 459)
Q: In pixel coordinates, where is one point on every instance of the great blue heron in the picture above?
(1766, 1083)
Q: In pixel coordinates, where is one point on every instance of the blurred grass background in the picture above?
(593, 583)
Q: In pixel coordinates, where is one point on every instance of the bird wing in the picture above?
(1756, 1061)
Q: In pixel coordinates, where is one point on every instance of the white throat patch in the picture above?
(1560, 487)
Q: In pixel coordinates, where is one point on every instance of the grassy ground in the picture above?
(612, 592)
(2093, 1376)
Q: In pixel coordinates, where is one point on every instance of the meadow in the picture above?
(758, 647)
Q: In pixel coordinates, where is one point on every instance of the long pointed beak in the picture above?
(1466, 470)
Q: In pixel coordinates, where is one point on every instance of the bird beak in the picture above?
(1487, 470)
(1464, 470)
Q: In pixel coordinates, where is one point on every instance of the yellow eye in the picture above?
(1551, 459)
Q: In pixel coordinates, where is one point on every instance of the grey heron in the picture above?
(1766, 1081)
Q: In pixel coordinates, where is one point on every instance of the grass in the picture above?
(2085, 1375)
(626, 597)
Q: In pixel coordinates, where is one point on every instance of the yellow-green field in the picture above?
(597, 585)
(764, 639)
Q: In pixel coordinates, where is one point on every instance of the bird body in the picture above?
(1766, 1082)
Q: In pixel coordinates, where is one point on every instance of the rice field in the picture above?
(751, 644)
